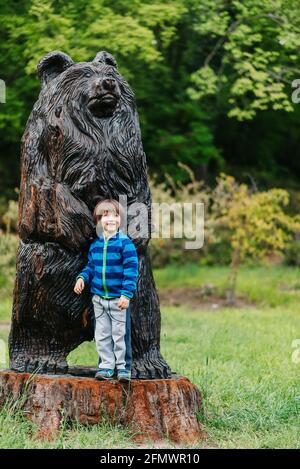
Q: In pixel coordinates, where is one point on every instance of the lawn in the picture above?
(240, 358)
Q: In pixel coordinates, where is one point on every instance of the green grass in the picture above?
(241, 360)
(266, 285)
(18, 432)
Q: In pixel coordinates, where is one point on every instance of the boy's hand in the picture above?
(79, 286)
(123, 302)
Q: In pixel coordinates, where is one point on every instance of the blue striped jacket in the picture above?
(112, 267)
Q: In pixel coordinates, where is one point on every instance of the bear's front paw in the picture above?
(53, 213)
(40, 365)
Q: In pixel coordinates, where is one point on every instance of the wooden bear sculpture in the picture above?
(82, 144)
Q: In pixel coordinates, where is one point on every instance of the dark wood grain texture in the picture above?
(82, 143)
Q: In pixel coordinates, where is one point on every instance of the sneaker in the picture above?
(104, 374)
(124, 375)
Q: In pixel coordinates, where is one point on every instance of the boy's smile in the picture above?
(110, 223)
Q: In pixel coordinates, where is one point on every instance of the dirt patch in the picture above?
(293, 288)
(201, 298)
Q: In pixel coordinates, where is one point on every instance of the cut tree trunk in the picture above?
(151, 409)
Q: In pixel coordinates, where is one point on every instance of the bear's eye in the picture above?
(88, 74)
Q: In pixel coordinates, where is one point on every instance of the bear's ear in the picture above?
(106, 58)
(52, 65)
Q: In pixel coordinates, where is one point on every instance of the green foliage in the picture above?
(293, 253)
(240, 224)
(171, 251)
(145, 38)
(255, 223)
(252, 55)
(10, 217)
(8, 249)
(212, 78)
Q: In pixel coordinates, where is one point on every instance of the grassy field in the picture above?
(240, 358)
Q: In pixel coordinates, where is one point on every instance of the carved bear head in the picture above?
(85, 128)
(94, 87)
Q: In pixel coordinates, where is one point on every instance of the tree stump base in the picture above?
(151, 409)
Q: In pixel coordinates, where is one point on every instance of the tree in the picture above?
(212, 78)
(255, 223)
(252, 55)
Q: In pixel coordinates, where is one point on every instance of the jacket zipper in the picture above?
(104, 266)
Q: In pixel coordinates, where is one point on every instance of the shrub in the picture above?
(8, 249)
(10, 216)
(292, 255)
(255, 223)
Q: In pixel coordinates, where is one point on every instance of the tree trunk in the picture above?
(151, 409)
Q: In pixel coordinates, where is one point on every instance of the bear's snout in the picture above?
(106, 85)
(104, 96)
(109, 83)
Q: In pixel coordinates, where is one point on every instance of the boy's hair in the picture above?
(105, 206)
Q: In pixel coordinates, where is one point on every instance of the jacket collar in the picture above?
(116, 235)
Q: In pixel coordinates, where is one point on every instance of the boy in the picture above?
(111, 272)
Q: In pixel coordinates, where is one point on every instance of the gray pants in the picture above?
(110, 329)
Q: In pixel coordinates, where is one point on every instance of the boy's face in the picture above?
(110, 221)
